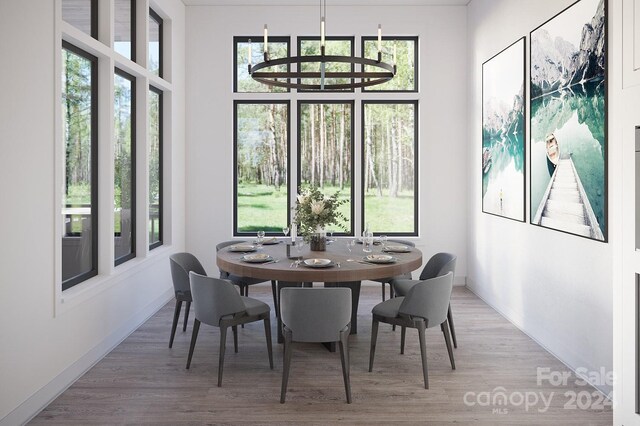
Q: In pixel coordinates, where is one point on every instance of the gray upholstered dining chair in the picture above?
(216, 302)
(316, 315)
(439, 264)
(424, 306)
(244, 282)
(388, 280)
(181, 265)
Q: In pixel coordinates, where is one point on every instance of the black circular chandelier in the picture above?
(328, 80)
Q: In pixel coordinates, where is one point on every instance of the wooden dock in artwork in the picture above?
(565, 205)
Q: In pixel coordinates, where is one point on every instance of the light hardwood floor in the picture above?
(143, 381)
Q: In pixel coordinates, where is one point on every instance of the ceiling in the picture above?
(331, 2)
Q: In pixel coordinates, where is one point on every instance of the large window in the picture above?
(389, 171)
(327, 139)
(261, 154)
(125, 28)
(124, 166)
(325, 150)
(155, 167)
(155, 43)
(82, 14)
(342, 46)
(403, 51)
(243, 47)
(80, 197)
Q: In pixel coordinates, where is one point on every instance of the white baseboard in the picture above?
(606, 391)
(43, 397)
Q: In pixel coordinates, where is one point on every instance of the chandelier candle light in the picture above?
(329, 80)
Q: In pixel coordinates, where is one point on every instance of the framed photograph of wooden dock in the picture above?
(503, 130)
(568, 127)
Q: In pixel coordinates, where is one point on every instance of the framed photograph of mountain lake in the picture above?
(503, 130)
(568, 107)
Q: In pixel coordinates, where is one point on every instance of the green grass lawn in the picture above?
(261, 207)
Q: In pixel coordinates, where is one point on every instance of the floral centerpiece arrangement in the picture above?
(314, 211)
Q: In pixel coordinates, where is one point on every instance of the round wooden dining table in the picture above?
(348, 269)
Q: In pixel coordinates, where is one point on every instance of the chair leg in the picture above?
(234, 328)
(453, 329)
(176, 315)
(344, 358)
(374, 338)
(267, 334)
(420, 325)
(194, 337)
(223, 338)
(383, 292)
(403, 334)
(447, 341)
(186, 316)
(286, 364)
(392, 293)
(275, 297)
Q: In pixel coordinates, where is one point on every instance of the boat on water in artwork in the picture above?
(553, 151)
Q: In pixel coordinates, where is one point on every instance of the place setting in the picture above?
(261, 258)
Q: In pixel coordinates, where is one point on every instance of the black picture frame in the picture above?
(541, 91)
(494, 71)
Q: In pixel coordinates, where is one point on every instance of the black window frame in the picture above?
(153, 15)
(353, 172)
(133, 31)
(416, 143)
(160, 241)
(70, 282)
(237, 102)
(415, 61)
(245, 39)
(120, 260)
(352, 39)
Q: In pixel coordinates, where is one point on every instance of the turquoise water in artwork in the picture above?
(576, 116)
(503, 184)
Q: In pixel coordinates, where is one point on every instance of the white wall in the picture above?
(555, 287)
(442, 109)
(43, 350)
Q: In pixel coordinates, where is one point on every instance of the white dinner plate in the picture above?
(380, 258)
(256, 258)
(242, 247)
(397, 249)
(318, 263)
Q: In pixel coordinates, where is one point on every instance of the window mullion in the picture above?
(105, 166)
(142, 167)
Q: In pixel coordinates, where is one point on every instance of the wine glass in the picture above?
(367, 242)
(351, 243)
(299, 248)
(260, 238)
(330, 231)
(285, 230)
(383, 242)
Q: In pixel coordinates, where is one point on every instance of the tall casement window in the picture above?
(82, 14)
(130, 137)
(124, 41)
(80, 196)
(155, 167)
(342, 46)
(155, 43)
(405, 52)
(261, 158)
(243, 49)
(389, 169)
(124, 149)
(325, 150)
